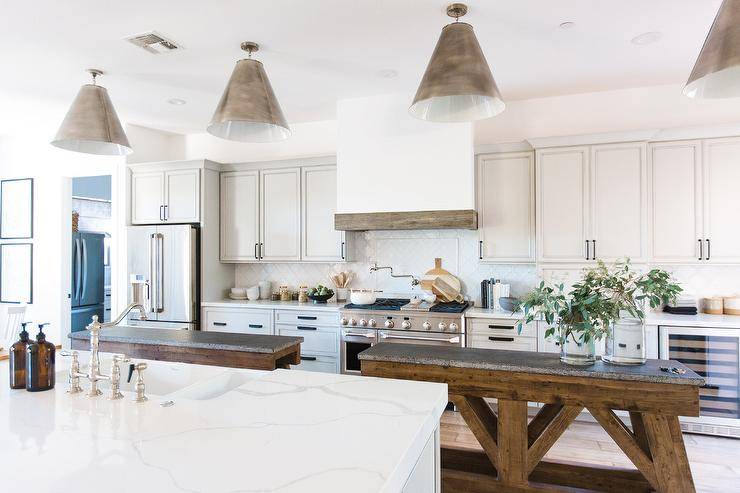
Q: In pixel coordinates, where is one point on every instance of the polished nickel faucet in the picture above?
(414, 280)
(93, 373)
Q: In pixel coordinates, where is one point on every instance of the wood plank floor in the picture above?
(715, 461)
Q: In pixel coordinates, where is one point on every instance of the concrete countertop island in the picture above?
(226, 430)
(260, 352)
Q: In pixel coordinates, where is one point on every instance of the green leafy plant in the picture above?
(586, 312)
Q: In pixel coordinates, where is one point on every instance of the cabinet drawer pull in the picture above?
(593, 253)
(308, 358)
(587, 252)
(501, 339)
(255, 326)
(505, 327)
(701, 249)
(219, 324)
(304, 327)
(256, 255)
(709, 386)
(480, 250)
(342, 251)
(305, 317)
(622, 345)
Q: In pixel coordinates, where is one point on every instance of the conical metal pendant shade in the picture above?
(248, 110)
(91, 125)
(457, 85)
(716, 73)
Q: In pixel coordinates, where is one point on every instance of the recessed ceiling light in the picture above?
(177, 101)
(646, 38)
(388, 73)
(567, 25)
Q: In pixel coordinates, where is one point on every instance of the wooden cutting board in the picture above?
(452, 283)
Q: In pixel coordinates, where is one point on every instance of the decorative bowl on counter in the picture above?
(509, 303)
(320, 294)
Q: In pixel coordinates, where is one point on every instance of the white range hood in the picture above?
(390, 162)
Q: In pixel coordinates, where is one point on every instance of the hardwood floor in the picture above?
(715, 461)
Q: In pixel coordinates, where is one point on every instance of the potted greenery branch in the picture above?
(594, 308)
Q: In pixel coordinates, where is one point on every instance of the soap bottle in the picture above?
(40, 363)
(17, 355)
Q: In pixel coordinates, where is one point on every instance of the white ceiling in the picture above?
(316, 52)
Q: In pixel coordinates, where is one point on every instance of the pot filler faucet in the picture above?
(93, 374)
(414, 281)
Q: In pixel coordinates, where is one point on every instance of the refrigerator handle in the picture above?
(153, 272)
(160, 272)
(78, 269)
(83, 269)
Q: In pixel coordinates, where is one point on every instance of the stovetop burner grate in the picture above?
(380, 304)
(449, 307)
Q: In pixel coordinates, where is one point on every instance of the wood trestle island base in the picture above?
(252, 351)
(514, 447)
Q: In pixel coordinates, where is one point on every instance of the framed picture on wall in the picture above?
(16, 273)
(16, 209)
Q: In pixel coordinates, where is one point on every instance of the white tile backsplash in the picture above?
(413, 252)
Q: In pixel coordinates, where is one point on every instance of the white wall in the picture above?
(389, 161)
(308, 139)
(640, 108)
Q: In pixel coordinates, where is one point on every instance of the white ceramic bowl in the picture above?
(253, 293)
(362, 296)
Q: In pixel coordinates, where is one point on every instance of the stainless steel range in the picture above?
(396, 320)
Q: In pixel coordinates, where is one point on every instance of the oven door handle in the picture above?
(352, 334)
(451, 340)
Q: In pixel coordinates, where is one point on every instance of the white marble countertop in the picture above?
(331, 306)
(478, 312)
(699, 320)
(287, 431)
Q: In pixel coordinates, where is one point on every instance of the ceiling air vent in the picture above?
(153, 42)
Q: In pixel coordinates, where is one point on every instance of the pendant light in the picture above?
(248, 110)
(457, 85)
(716, 72)
(91, 125)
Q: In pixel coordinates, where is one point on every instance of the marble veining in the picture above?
(281, 431)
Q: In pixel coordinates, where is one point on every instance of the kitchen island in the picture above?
(514, 448)
(257, 352)
(209, 429)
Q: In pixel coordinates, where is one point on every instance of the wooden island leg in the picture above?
(513, 443)
(669, 453)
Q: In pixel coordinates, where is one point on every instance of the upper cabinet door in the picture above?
(321, 242)
(182, 196)
(281, 214)
(562, 183)
(675, 201)
(506, 216)
(147, 197)
(618, 193)
(239, 216)
(722, 200)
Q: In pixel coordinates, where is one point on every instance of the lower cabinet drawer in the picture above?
(244, 321)
(511, 343)
(323, 364)
(501, 327)
(315, 339)
(308, 317)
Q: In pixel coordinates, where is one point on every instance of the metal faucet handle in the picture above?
(115, 376)
(73, 378)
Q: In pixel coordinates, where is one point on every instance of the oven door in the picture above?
(428, 338)
(354, 341)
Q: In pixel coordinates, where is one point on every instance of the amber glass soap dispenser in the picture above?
(40, 363)
(17, 355)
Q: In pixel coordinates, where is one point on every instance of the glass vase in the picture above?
(573, 351)
(625, 342)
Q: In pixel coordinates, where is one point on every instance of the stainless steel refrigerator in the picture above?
(166, 256)
(88, 279)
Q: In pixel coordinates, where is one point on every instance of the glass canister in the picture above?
(302, 294)
(284, 293)
(625, 342)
